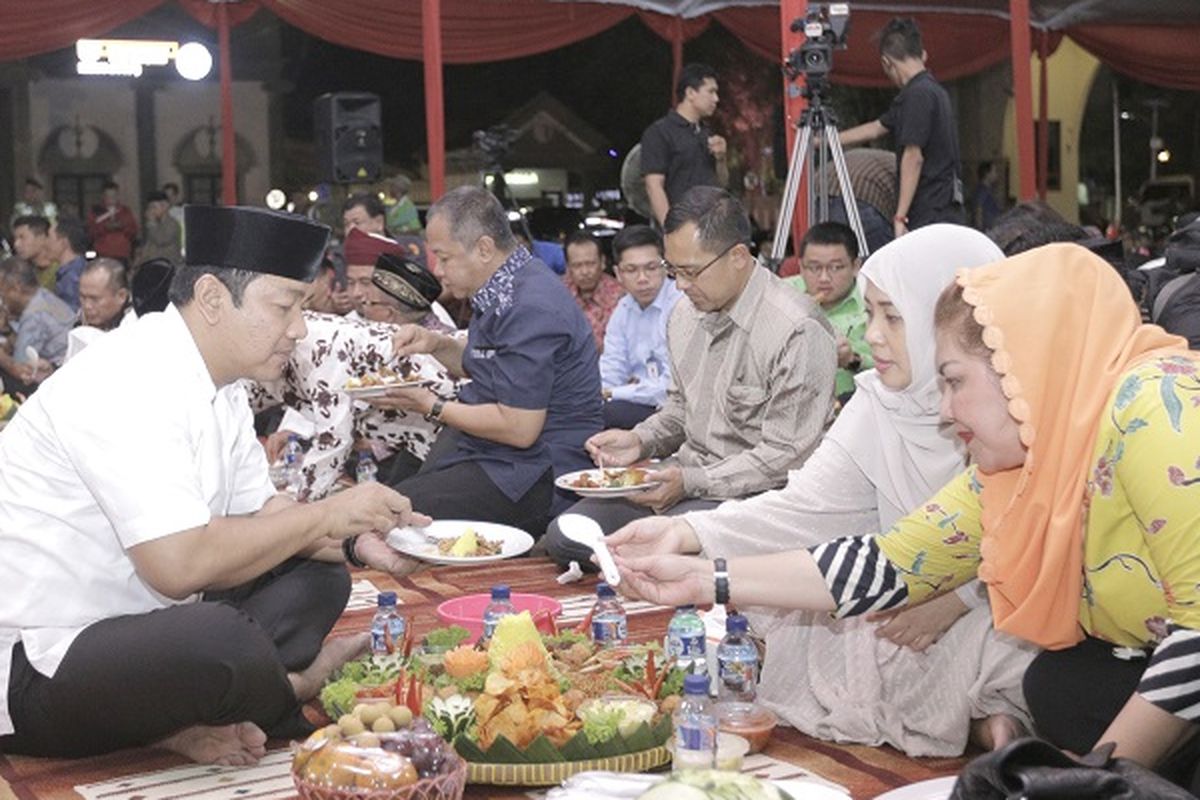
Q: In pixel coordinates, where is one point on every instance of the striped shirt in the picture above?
(751, 390)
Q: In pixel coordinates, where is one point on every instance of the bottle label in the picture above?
(691, 646)
(695, 737)
(609, 630)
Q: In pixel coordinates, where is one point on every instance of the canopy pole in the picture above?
(1117, 196)
(1043, 118)
(676, 56)
(1022, 96)
(793, 106)
(435, 109)
(228, 138)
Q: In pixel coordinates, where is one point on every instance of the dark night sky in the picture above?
(618, 81)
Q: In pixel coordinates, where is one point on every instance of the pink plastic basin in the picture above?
(467, 611)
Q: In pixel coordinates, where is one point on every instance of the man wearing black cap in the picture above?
(402, 292)
(157, 590)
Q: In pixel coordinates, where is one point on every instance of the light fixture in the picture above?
(1163, 156)
(313, 196)
(276, 199)
(193, 61)
(1125, 115)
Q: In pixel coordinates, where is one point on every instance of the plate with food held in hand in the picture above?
(374, 384)
(607, 482)
(460, 541)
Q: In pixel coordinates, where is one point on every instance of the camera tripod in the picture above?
(817, 117)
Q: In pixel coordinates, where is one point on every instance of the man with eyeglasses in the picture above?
(752, 371)
(635, 366)
(829, 265)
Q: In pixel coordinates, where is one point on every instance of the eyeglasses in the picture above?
(828, 269)
(691, 274)
(650, 268)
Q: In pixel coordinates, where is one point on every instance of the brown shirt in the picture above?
(751, 390)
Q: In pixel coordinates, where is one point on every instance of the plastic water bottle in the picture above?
(501, 606)
(685, 641)
(737, 662)
(293, 461)
(366, 469)
(608, 617)
(695, 727)
(387, 627)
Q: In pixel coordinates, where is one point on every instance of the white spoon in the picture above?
(586, 531)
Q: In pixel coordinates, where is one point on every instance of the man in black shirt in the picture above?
(679, 151)
(923, 130)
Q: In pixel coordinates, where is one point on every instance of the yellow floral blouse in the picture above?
(1141, 535)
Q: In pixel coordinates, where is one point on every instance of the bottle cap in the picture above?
(736, 623)
(695, 684)
(604, 590)
(386, 598)
(501, 592)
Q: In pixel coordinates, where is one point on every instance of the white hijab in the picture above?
(895, 437)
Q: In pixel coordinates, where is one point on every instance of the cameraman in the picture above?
(924, 133)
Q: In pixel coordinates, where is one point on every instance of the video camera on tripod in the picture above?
(826, 28)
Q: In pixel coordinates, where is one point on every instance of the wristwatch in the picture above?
(720, 582)
(435, 412)
(348, 545)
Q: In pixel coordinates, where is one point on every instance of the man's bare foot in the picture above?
(240, 745)
(336, 652)
(992, 733)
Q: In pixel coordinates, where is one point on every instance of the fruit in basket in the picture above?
(389, 760)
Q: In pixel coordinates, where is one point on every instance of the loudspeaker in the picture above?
(349, 137)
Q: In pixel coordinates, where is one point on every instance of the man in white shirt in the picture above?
(635, 366)
(157, 590)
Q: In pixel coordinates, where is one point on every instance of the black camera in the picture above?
(825, 29)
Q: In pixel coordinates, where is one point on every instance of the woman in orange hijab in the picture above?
(1081, 510)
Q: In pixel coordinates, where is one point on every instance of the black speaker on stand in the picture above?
(349, 137)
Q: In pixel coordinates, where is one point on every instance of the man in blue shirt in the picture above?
(534, 394)
(68, 241)
(635, 366)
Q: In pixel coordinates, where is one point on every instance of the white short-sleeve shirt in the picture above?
(128, 442)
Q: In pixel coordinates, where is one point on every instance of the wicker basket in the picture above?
(447, 786)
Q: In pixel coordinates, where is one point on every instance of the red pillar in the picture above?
(676, 56)
(1023, 96)
(793, 104)
(228, 139)
(1043, 116)
(435, 110)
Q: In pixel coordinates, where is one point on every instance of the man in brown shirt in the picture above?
(752, 376)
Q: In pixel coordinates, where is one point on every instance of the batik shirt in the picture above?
(335, 350)
(1141, 539)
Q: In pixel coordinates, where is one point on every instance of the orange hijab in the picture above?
(1063, 329)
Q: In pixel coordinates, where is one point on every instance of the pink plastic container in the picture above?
(467, 610)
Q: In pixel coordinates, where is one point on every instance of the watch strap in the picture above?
(720, 581)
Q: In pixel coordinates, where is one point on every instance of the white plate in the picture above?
(564, 482)
(362, 392)
(415, 541)
(801, 789)
(932, 789)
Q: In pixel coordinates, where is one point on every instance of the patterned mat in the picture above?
(157, 775)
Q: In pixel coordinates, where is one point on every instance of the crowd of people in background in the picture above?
(794, 423)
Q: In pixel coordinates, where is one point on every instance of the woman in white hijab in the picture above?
(849, 680)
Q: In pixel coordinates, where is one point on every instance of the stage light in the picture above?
(276, 199)
(193, 61)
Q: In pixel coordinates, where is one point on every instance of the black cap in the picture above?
(157, 196)
(149, 285)
(255, 239)
(407, 281)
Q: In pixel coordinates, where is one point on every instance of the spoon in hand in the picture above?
(586, 531)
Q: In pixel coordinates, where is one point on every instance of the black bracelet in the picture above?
(348, 545)
(721, 582)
